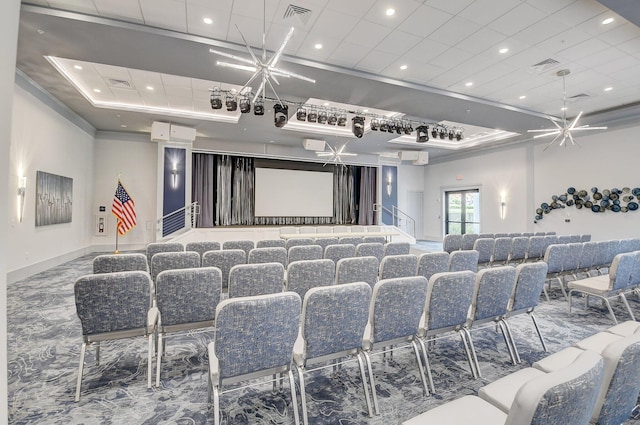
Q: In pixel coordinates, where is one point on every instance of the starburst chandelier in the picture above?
(563, 132)
(335, 154)
(263, 69)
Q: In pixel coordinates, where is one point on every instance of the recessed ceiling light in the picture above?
(564, 108)
(97, 90)
(403, 67)
(318, 46)
(39, 31)
(123, 125)
(364, 111)
(523, 97)
(608, 88)
(503, 50)
(607, 21)
(208, 21)
(469, 84)
(390, 12)
(78, 67)
(325, 104)
(150, 88)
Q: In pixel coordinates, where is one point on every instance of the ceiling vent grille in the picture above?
(294, 11)
(122, 84)
(577, 97)
(545, 65)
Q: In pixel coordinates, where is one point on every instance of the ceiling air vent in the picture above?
(545, 65)
(577, 97)
(122, 84)
(294, 11)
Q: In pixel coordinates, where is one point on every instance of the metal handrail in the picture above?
(395, 218)
(192, 211)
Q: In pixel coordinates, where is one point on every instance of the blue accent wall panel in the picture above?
(389, 183)
(173, 189)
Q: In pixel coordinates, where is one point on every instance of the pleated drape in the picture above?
(203, 187)
(367, 195)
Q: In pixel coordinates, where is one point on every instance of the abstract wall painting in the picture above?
(54, 199)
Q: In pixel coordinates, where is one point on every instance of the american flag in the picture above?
(124, 209)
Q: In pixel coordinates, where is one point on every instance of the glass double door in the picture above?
(462, 214)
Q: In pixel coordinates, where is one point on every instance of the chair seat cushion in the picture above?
(559, 360)
(466, 410)
(627, 328)
(598, 342)
(502, 392)
(592, 285)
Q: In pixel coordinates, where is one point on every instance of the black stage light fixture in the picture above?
(422, 134)
(245, 104)
(312, 115)
(391, 126)
(342, 120)
(322, 117)
(442, 132)
(459, 135)
(231, 102)
(280, 114)
(216, 99)
(434, 132)
(357, 126)
(301, 114)
(375, 124)
(451, 134)
(407, 128)
(399, 127)
(258, 108)
(332, 120)
(384, 125)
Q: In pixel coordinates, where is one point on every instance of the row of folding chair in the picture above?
(467, 241)
(329, 229)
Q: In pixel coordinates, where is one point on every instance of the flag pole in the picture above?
(116, 251)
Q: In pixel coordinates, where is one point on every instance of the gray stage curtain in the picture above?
(367, 195)
(343, 202)
(203, 188)
(242, 203)
(224, 169)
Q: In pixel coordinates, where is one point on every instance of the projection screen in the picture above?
(293, 193)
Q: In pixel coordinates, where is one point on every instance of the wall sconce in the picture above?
(389, 183)
(174, 176)
(22, 188)
(503, 205)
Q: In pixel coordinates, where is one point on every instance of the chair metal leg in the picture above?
(535, 323)
(506, 334)
(420, 368)
(569, 299)
(294, 398)
(561, 283)
(463, 337)
(160, 341)
(80, 370)
(303, 396)
(546, 294)
(216, 405)
(626, 304)
(473, 353)
(613, 316)
(97, 353)
(372, 383)
(512, 340)
(363, 375)
(427, 365)
(149, 361)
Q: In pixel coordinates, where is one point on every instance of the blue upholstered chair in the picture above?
(244, 245)
(535, 250)
(375, 239)
(224, 260)
(431, 263)
(306, 274)
(548, 240)
(484, 246)
(501, 250)
(585, 237)
(500, 235)
(468, 240)
(393, 266)
(268, 255)
(486, 236)
(113, 306)
(186, 300)
(202, 246)
(246, 280)
(357, 269)
(156, 247)
(324, 242)
(396, 248)
(394, 318)
(463, 260)
(339, 251)
(111, 263)
(449, 297)
(518, 251)
(493, 289)
(571, 264)
(554, 257)
(530, 278)
(254, 337)
(172, 261)
(353, 240)
(305, 252)
(370, 249)
(332, 324)
(564, 239)
(452, 243)
(298, 242)
(586, 263)
(271, 243)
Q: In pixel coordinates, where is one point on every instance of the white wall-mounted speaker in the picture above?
(182, 134)
(409, 155)
(160, 131)
(314, 145)
(423, 158)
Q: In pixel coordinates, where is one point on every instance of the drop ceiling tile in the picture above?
(428, 50)
(82, 6)
(451, 57)
(250, 28)
(404, 9)
(195, 24)
(452, 7)
(357, 8)
(578, 12)
(631, 47)
(596, 28)
(226, 5)
(454, 31)
(332, 23)
(624, 75)
(417, 71)
(201, 105)
(611, 56)
(526, 58)
(377, 60)
(424, 21)
(398, 42)
(255, 10)
(155, 100)
(368, 34)
(276, 35)
(175, 80)
(184, 103)
(608, 68)
(109, 71)
(540, 31)
(178, 91)
(620, 34)
(484, 12)
(170, 14)
(589, 48)
(202, 95)
(550, 6)
(517, 19)
(491, 73)
(481, 40)
(126, 95)
(307, 49)
(129, 10)
(563, 41)
(348, 54)
(142, 78)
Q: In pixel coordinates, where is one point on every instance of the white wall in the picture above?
(42, 140)
(136, 162)
(410, 179)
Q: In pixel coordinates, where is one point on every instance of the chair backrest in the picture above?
(256, 333)
(370, 249)
(298, 241)
(394, 266)
(431, 263)
(307, 229)
(188, 295)
(635, 244)
(572, 257)
(224, 260)
(304, 252)
(357, 269)
(268, 255)
(493, 290)
(588, 255)
(341, 229)
(612, 249)
(271, 243)
(621, 269)
(111, 263)
(550, 233)
(202, 246)
(486, 236)
(554, 257)
(539, 233)
(626, 245)
(585, 237)
(463, 260)
(564, 239)
(156, 247)
(288, 230)
(501, 249)
(339, 251)
(112, 302)
(566, 396)
(468, 240)
(374, 239)
(635, 274)
(353, 240)
(396, 308)
(244, 245)
(324, 242)
(549, 240)
(484, 246)
(535, 250)
(600, 256)
(334, 318)
(574, 239)
(452, 243)
(449, 297)
(246, 280)
(519, 247)
(306, 274)
(396, 248)
(530, 278)
(172, 261)
(514, 234)
(500, 235)
(527, 234)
